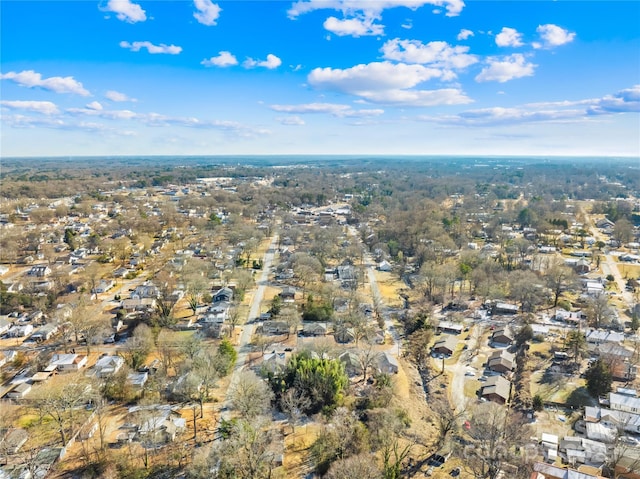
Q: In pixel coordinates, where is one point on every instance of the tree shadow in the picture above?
(580, 397)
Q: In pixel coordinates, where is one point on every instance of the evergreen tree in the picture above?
(598, 378)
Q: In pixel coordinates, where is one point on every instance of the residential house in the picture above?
(217, 313)
(342, 334)
(351, 363)
(66, 363)
(450, 327)
(347, 275)
(45, 332)
(137, 380)
(146, 290)
(288, 294)
(386, 363)
(496, 389)
(445, 346)
(627, 421)
(121, 272)
(157, 424)
(582, 266)
(274, 361)
(604, 223)
(19, 391)
(505, 308)
(275, 327)
(542, 470)
(314, 329)
(12, 440)
(103, 286)
(501, 361)
(5, 325)
(223, 295)
(625, 403)
(385, 266)
(549, 443)
(603, 336)
(20, 330)
(108, 366)
(39, 271)
(502, 337)
(601, 432)
(593, 288)
(571, 317)
(138, 304)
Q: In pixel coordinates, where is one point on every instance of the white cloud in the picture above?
(160, 120)
(355, 27)
(271, 62)
(126, 11)
(374, 76)
(334, 109)
(408, 24)
(44, 107)
(553, 36)
(106, 114)
(224, 59)
(438, 54)
(290, 120)
(31, 79)
(509, 37)
(388, 83)
(350, 7)
(464, 34)
(419, 98)
(151, 48)
(208, 12)
(625, 101)
(117, 96)
(506, 68)
(94, 105)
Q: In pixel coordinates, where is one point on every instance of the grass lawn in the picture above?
(629, 270)
(388, 285)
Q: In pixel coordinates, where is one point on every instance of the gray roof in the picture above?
(497, 385)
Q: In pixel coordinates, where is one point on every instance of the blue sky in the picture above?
(126, 77)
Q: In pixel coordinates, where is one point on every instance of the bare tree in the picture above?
(366, 359)
(293, 403)
(495, 434)
(247, 453)
(250, 395)
(60, 399)
(598, 311)
(360, 465)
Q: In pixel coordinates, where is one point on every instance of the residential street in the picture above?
(244, 346)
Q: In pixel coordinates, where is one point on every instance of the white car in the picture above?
(632, 441)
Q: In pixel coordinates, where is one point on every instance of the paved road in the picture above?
(244, 347)
(611, 267)
(394, 347)
(369, 264)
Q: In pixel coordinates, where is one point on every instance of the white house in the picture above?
(67, 362)
(622, 402)
(103, 286)
(19, 391)
(108, 366)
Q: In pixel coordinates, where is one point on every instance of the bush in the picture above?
(564, 304)
(538, 403)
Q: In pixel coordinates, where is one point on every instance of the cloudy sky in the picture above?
(128, 77)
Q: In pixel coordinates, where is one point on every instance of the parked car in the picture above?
(632, 441)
